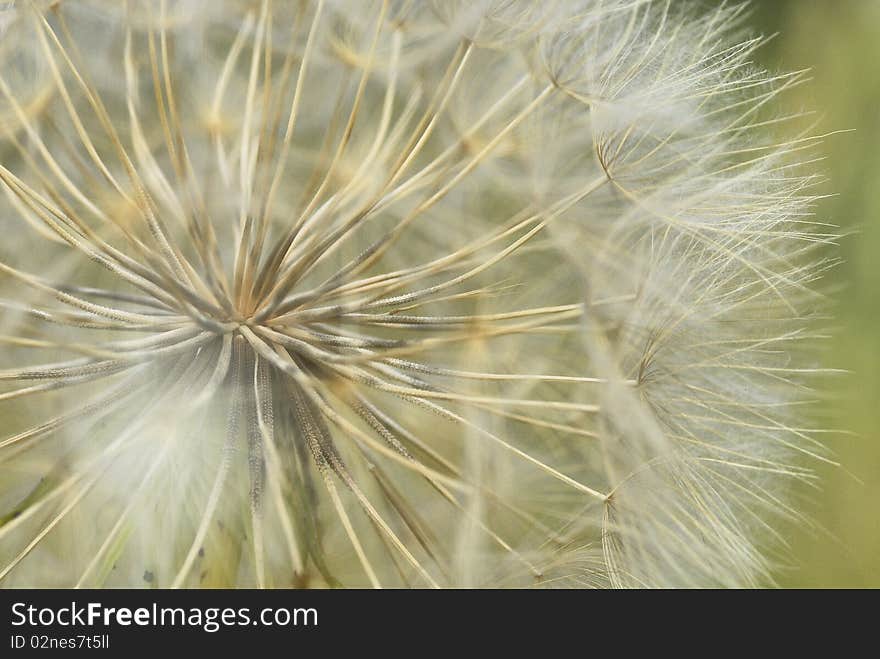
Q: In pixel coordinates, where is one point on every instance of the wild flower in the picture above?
(400, 293)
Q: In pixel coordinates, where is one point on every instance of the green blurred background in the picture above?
(839, 40)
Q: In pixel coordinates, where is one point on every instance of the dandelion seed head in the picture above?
(400, 294)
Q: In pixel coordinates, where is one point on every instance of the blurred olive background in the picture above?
(839, 40)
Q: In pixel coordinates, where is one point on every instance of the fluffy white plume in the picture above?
(400, 293)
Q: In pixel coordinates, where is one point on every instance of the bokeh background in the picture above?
(839, 41)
